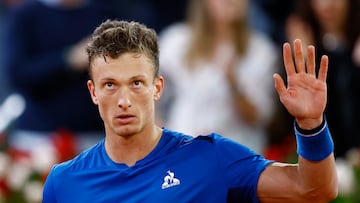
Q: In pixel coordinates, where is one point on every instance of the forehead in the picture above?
(126, 65)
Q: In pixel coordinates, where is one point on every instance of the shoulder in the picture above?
(86, 159)
(228, 147)
(211, 143)
(27, 7)
(177, 34)
(173, 43)
(259, 40)
(261, 49)
(175, 30)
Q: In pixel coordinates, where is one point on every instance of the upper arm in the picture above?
(280, 183)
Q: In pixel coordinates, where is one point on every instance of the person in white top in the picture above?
(218, 82)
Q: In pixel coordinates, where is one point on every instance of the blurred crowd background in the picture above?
(217, 57)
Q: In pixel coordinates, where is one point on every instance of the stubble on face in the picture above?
(127, 80)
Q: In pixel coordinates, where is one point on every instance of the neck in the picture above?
(222, 32)
(129, 150)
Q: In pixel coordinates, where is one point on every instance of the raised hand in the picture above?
(306, 93)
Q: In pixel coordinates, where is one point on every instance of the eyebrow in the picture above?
(131, 78)
(107, 79)
(138, 76)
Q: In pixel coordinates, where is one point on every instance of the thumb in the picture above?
(279, 84)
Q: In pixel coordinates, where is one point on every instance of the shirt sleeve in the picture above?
(241, 170)
(48, 192)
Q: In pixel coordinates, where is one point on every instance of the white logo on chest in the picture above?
(170, 180)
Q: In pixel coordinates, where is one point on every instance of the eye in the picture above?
(137, 83)
(109, 85)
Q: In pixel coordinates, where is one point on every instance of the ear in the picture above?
(159, 87)
(91, 87)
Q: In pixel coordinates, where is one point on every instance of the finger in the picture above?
(279, 84)
(288, 60)
(310, 65)
(299, 57)
(323, 68)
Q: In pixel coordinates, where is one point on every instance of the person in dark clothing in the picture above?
(45, 61)
(156, 14)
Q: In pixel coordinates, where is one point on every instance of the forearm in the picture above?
(246, 110)
(308, 181)
(318, 179)
(242, 105)
(316, 169)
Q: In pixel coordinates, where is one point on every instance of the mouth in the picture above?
(125, 118)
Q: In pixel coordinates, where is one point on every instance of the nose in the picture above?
(124, 99)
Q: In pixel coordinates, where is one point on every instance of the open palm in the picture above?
(306, 93)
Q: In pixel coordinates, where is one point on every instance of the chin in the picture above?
(126, 131)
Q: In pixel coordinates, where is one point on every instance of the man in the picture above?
(141, 162)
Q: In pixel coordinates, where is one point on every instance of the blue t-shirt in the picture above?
(180, 169)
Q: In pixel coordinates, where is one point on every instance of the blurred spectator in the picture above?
(334, 27)
(3, 85)
(215, 73)
(270, 16)
(45, 61)
(5, 5)
(156, 14)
